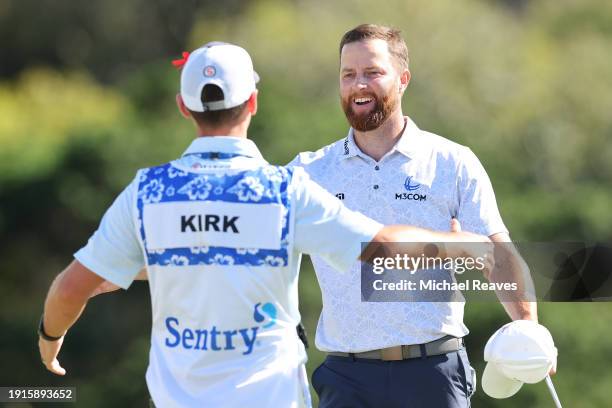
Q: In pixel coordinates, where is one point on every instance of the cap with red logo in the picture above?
(225, 65)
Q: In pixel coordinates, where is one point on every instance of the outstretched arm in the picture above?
(395, 240)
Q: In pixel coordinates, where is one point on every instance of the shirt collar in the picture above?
(224, 144)
(406, 145)
(349, 147)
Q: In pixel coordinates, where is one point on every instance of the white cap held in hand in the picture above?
(520, 352)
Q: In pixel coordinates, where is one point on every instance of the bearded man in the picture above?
(397, 354)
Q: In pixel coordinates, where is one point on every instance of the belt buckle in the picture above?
(391, 353)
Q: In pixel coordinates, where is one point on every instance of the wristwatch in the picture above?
(41, 331)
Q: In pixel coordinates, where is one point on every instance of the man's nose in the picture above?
(361, 82)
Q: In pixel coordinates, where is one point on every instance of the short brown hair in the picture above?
(212, 93)
(396, 44)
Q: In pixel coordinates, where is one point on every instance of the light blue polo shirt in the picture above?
(424, 180)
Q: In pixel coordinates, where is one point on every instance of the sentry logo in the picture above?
(214, 339)
(268, 315)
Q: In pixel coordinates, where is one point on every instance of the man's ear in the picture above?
(404, 80)
(181, 106)
(252, 103)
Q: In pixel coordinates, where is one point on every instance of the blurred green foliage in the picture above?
(87, 98)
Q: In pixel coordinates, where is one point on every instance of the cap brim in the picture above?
(497, 385)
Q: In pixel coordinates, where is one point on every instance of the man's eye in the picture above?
(373, 73)
(348, 75)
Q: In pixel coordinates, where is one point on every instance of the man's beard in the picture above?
(371, 120)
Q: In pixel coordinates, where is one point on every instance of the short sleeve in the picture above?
(325, 227)
(295, 162)
(477, 211)
(113, 251)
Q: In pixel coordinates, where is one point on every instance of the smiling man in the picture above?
(397, 354)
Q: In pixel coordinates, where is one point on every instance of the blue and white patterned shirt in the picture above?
(221, 233)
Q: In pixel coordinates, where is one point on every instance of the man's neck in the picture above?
(238, 130)
(378, 142)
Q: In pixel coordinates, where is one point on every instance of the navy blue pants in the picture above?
(441, 381)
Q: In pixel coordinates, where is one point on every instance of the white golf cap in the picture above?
(520, 352)
(225, 65)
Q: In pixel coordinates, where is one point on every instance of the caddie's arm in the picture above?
(113, 252)
(106, 286)
(413, 241)
(65, 302)
(510, 267)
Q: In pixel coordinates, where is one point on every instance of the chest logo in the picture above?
(410, 187)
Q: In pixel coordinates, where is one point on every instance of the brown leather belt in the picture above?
(443, 345)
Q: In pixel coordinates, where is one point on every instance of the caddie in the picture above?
(220, 232)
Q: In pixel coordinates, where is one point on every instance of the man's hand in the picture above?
(48, 353)
(553, 370)
(469, 245)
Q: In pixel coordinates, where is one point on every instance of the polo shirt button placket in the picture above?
(376, 185)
